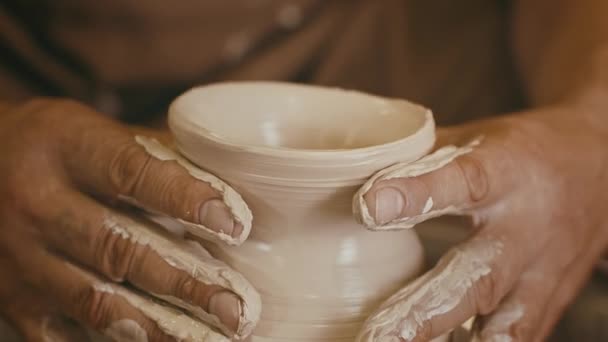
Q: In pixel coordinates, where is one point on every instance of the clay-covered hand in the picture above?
(67, 254)
(535, 188)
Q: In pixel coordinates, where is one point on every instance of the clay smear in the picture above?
(239, 209)
(426, 164)
(170, 321)
(497, 328)
(435, 293)
(126, 330)
(191, 258)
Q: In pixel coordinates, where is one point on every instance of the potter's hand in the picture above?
(535, 187)
(67, 255)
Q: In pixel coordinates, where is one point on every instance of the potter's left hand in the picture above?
(535, 189)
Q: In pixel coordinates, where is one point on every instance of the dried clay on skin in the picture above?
(497, 328)
(238, 208)
(170, 321)
(193, 259)
(426, 164)
(126, 330)
(435, 293)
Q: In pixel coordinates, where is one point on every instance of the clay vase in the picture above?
(297, 154)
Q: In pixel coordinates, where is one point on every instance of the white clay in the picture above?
(428, 205)
(126, 330)
(190, 257)
(239, 209)
(497, 328)
(436, 292)
(170, 321)
(426, 164)
(297, 155)
(497, 338)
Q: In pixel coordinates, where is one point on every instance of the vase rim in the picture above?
(424, 132)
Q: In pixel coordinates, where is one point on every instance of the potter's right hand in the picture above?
(535, 189)
(66, 255)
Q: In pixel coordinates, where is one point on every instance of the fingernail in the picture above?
(215, 215)
(389, 205)
(227, 307)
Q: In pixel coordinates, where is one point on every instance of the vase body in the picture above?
(319, 273)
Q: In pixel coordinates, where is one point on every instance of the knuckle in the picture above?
(94, 307)
(128, 167)
(31, 201)
(116, 254)
(185, 287)
(475, 176)
(177, 192)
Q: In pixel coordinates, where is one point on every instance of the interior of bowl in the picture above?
(282, 115)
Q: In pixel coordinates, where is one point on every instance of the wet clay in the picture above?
(190, 257)
(498, 326)
(169, 320)
(297, 155)
(238, 208)
(126, 330)
(426, 164)
(403, 314)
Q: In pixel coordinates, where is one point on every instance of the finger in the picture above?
(472, 180)
(175, 270)
(106, 159)
(31, 314)
(451, 180)
(108, 308)
(468, 280)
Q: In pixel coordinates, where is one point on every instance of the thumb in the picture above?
(451, 180)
